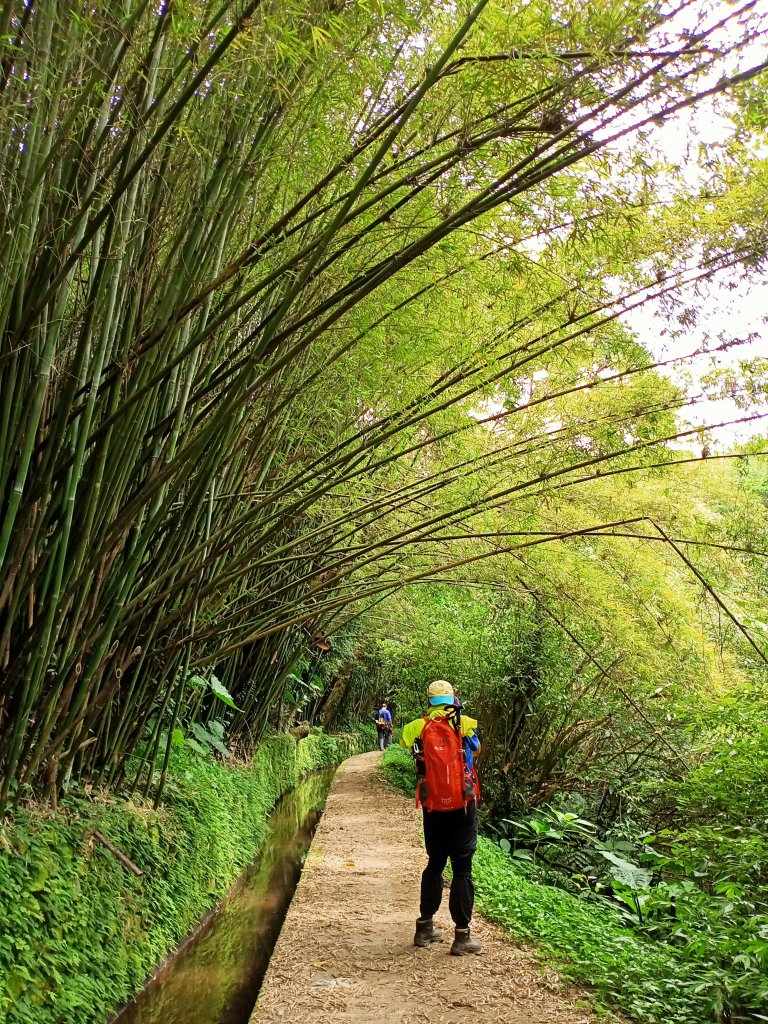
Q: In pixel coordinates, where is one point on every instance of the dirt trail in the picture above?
(345, 953)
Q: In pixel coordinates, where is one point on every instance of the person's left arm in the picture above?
(411, 732)
(469, 732)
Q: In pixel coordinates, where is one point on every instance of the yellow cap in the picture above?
(440, 692)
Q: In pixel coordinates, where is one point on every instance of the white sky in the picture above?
(732, 313)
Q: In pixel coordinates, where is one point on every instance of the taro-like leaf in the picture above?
(220, 691)
(626, 872)
(197, 746)
(201, 733)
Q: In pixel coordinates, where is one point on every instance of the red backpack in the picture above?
(444, 782)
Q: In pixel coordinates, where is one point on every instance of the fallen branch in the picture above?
(125, 861)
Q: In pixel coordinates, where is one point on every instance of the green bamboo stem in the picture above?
(191, 354)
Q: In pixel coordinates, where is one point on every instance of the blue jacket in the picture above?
(470, 745)
(384, 713)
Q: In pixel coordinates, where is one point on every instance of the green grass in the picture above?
(586, 941)
(79, 932)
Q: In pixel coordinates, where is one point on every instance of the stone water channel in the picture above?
(215, 976)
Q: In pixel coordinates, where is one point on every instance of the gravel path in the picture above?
(345, 953)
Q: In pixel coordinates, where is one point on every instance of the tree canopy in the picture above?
(306, 303)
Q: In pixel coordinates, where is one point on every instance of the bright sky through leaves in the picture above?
(730, 307)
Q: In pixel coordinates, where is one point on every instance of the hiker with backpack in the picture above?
(384, 726)
(444, 742)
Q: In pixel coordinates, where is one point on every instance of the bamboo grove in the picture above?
(267, 268)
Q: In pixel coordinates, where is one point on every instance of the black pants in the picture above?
(385, 737)
(449, 834)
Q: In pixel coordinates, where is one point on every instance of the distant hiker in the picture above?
(443, 743)
(384, 726)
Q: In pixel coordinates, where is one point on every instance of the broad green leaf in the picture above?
(220, 691)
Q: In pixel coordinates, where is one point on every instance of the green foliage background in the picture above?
(304, 302)
(81, 933)
(588, 942)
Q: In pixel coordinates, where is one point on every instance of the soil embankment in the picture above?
(345, 953)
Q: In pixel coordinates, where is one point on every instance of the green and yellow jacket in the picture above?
(412, 730)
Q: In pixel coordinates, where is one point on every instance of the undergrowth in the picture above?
(646, 980)
(397, 768)
(80, 932)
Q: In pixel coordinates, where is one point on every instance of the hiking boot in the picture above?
(426, 932)
(463, 943)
